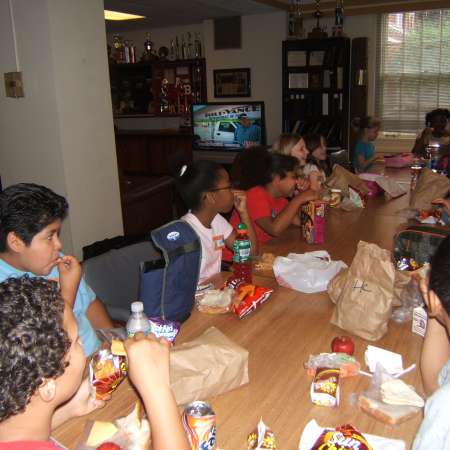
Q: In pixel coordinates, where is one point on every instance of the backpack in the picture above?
(167, 285)
(418, 242)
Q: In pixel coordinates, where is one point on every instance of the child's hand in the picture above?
(303, 184)
(83, 402)
(444, 202)
(240, 201)
(308, 195)
(148, 362)
(69, 277)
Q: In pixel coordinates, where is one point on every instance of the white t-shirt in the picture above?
(212, 241)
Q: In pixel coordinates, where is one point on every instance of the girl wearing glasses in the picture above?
(206, 191)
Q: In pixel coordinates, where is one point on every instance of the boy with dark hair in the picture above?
(42, 363)
(30, 222)
(435, 358)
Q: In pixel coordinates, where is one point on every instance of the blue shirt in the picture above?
(367, 151)
(251, 133)
(434, 432)
(85, 296)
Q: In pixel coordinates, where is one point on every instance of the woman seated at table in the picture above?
(267, 204)
(366, 129)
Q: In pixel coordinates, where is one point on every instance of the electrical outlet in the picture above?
(14, 84)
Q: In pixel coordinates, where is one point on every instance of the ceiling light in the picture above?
(117, 15)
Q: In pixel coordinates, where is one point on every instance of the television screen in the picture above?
(228, 126)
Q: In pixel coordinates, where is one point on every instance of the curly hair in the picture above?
(33, 341)
(26, 209)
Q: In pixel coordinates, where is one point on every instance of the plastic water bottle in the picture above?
(138, 321)
(242, 264)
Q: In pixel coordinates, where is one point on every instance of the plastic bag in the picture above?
(410, 297)
(307, 272)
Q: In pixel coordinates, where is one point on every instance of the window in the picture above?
(413, 60)
(226, 127)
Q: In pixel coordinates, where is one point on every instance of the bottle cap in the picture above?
(242, 227)
(137, 307)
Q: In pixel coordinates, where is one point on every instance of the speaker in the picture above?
(227, 33)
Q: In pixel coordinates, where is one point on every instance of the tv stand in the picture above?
(222, 157)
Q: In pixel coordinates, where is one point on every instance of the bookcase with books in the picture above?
(316, 75)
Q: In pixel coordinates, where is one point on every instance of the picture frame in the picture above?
(232, 83)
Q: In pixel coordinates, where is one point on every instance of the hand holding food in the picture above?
(69, 277)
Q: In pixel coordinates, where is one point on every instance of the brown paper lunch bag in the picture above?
(341, 179)
(364, 304)
(429, 186)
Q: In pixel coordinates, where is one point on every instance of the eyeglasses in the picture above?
(221, 189)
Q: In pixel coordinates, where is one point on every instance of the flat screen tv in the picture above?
(228, 127)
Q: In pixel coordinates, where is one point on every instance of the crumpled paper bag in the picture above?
(209, 365)
(364, 302)
(429, 186)
(341, 179)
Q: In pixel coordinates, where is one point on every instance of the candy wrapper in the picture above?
(325, 387)
(167, 329)
(343, 437)
(347, 365)
(248, 298)
(313, 432)
(312, 218)
(106, 371)
(262, 438)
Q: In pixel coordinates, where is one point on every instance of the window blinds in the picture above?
(413, 68)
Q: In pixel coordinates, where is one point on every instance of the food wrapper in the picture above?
(312, 218)
(248, 298)
(312, 431)
(347, 365)
(343, 437)
(325, 387)
(262, 438)
(162, 328)
(215, 301)
(106, 371)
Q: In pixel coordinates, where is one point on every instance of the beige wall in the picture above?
(61, 134)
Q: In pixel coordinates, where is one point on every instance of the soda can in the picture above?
(199, 421)
(415, 173)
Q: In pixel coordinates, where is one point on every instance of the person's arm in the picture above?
(69, 278)
(422, 141)
(240, 203)
(80, 404)
(98, 315)
(275, 226)
(148, 364)
(364, 164)
(444, 202)
(435, 353)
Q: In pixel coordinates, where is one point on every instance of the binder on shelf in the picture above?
(298, 81)
(296, 58)
(326, 79)
(340, 78)
(325, 104)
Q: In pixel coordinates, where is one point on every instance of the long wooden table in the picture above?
(280, 336)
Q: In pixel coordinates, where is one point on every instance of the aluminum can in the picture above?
(199, 421)
(415, 173)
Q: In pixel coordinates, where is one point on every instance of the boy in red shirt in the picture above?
(267, 204)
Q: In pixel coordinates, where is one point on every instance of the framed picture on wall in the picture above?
(232, 83)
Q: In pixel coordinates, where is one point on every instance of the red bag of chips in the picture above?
(248, 298)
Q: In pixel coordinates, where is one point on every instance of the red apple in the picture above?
(343, 344)
(108, 446)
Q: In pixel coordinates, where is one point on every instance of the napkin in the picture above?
(391, 361)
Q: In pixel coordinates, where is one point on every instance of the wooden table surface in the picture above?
(280, 336)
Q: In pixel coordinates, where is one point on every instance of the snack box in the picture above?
(312, 218)
(325, 387)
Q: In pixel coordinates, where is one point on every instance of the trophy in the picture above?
(189, 49)
(197, 46)
(172, 55)
(295, 17)
(338, 29)
(183, 48)
(148, 49)
(177, 48)
(317, 31)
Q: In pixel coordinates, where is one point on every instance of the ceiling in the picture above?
(166, 13)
